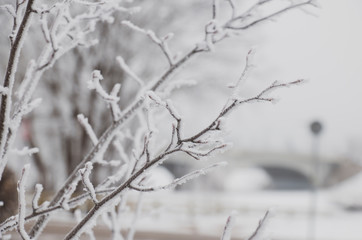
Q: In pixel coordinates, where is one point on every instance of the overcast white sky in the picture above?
(326, 50)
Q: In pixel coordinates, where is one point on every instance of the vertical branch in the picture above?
(261, 227)
(22, 203)
(9, 81)
(215, 9)
(228, 226)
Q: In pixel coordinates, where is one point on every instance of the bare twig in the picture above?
(236, 102)
(226, 235)
(261, 226)
(230, 23)
(161, 42)
(181, 180)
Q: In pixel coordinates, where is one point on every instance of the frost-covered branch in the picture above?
(240, 22)
(35, 202)
(85, 173)
(111, 99)
(233, 103)
(242, 78)
(233, 8)
(26, 151)
(88, 128)
(63, 31)
(64, 201)
(22, 203)
(161, 42)
(181, 180)
(95, 84)
(128, 70)
(189, 146)
(112, 130)
(44, 209)
(157, 160)
(5, 108)
(10, 10)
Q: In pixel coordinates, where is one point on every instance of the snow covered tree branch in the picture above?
(16, 46)
(68, 24)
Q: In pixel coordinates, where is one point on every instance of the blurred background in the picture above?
(300, 156)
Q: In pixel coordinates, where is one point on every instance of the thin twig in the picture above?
(261, 225)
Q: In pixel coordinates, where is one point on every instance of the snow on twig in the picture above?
(64, 202)
(88, 128)
(116, 110)
(114, 178)
(64, 34)
(23, 110)
(38, 190)
(181, 180)
(17, 42)
(22, 202)
(128, 70)
(168, 105)
(177, 84)
(10, 9)
(239, 22)
(85, 173)
(89, 3)
(248, 65)
(120, 150)
(4, 90)
(27, 78)
(109, 135)
(26, 151)
(161, 42)
(94, 83)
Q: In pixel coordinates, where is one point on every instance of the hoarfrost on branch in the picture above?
(64, 29)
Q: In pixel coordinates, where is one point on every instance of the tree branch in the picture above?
(9, 82)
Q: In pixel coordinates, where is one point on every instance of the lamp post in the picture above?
(316, 129)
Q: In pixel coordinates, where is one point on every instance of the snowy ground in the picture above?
(180, 215)
(192, 215)
(205, 214)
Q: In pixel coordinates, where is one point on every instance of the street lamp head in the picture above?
(316, 127)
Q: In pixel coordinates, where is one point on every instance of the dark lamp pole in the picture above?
(316, 129)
